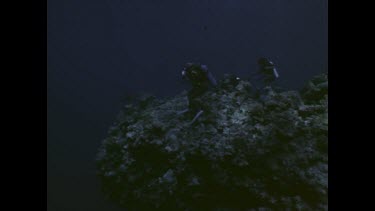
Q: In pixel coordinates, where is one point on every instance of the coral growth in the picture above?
(246, 152)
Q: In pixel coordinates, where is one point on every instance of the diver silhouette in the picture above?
(266, 74)
(201, 80)
(267, 71)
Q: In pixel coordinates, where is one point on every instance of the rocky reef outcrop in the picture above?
(248, 151)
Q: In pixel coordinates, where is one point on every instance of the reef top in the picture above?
(249, 150)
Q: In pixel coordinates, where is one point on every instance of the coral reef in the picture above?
(248, 151)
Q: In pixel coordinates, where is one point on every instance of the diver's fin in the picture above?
(196, 116)
(182, 112)
(275, 73)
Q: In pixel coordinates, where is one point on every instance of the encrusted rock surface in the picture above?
(246, 152)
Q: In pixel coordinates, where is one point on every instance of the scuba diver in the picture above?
(268, 70)
(201, 80)
(267, 73)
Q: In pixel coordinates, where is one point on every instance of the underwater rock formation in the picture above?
(248, 152)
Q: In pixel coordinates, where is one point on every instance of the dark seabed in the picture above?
(101, 51)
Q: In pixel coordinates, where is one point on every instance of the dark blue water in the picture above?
(99, 51)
